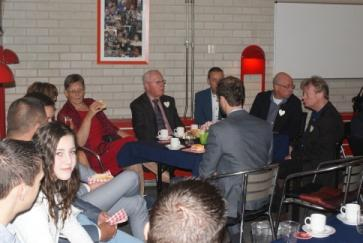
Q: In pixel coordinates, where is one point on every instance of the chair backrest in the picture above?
(352, 182)
(261, 182)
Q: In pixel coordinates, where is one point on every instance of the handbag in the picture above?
(110, 138)
(358, 101)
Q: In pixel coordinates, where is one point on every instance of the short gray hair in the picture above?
(319, 83)
(146, 75)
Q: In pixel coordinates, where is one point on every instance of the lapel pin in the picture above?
(166, 104)
(281, 112)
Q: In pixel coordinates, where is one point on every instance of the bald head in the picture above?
(154, 83)
(283, 85)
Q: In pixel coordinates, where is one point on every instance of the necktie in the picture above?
(159, 117)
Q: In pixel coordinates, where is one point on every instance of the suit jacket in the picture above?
(239, 142)
(289, 123)
(203, 107)
(319, 142)
(144, 120)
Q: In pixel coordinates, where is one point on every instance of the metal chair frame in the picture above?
(328, 166)
(96, 155)
(273, 169)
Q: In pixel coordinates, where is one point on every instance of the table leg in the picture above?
(159, 182)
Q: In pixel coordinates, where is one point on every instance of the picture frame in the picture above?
(123, 31)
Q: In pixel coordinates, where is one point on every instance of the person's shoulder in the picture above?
(167, 98)
(263, 96)
(202, 92)
(294, 99)
(330, 110)
(139, 100)
(255, 120)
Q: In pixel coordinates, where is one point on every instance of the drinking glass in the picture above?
(288, 229)
(203, 137)
(359, 222)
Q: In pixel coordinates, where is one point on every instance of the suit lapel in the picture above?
(166, 104)
(209, 111)
(149, 110)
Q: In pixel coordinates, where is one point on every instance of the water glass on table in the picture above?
(288, 229)
(203, 137)
(359, 222)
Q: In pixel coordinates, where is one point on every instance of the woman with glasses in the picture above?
(93, 129)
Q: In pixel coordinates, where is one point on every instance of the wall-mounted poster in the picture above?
(123, 31)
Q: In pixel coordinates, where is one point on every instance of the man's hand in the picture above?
(107, 230)
(102, 217)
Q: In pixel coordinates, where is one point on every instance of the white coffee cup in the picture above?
(163, 134)
(316, 222)
(193, 126)
(174, 143)
(179, 131)
(350, 212)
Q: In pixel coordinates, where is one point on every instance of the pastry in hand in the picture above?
(103, 104)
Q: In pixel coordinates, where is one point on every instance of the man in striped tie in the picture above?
(153, 111)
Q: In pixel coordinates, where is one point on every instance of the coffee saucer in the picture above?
(328, 230)
(345, 221)
(172, 148)
(163, 139)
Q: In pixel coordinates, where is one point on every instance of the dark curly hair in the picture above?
(60, 194)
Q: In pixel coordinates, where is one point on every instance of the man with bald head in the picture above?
(153, 111)
(281, 108)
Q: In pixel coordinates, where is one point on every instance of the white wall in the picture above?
(54, 38)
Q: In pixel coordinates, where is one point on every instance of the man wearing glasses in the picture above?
(153, 111)
(282, 109)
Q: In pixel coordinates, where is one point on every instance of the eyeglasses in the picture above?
(75, 91)
(286, 86)
(160, 82)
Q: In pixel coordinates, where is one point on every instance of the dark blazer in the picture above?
(319, 143)
(239, 142)
(144, 120)
(203, 106)
(288, 123)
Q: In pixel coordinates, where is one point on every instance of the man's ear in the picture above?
(20, 191)
(66, 94)
(146, 230)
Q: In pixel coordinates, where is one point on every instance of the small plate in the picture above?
(328, 230)
(166, 139)
(179, 147)
(302, 235)
(345, 221)
(194, 151)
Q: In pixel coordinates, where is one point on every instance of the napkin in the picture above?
(99, 178)
(118, 218)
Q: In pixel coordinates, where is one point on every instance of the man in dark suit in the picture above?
(206, 103)
(153, 111)
(282, 109)
(325, 129)
(239, 142)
